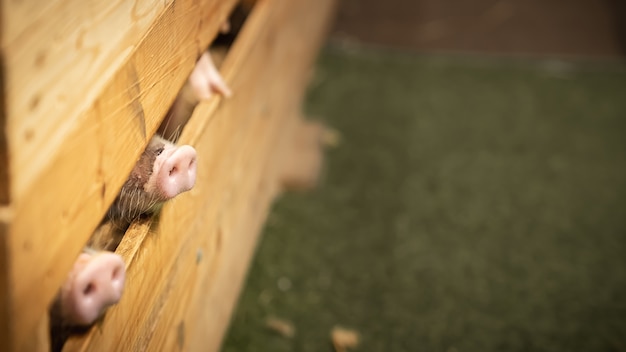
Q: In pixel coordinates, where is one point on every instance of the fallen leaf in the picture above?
(280, 326)
(344, 339)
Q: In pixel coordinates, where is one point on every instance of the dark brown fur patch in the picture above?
(143, 169)
(133, 200)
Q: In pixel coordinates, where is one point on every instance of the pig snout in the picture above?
(98, 283)
(178, 172)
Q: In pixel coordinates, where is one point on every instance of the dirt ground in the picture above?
(587, 28)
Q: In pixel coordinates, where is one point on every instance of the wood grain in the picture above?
(56, 65)
(6, 329)
(60, 195)
(186, 275)
(4, 147)
(217, 293)
(85, 86)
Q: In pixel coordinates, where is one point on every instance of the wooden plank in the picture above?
(216, 295)
(24, 16)
(58, 62)
(5, 327)
(195, 261)
(6, 330)
(213, 145)
(4, 147)
(76, 182)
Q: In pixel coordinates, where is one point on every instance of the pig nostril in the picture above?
(115, 274)
(173, 170)
(89, 289)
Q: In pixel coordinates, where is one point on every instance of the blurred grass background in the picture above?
(474, 204)
(477, 201)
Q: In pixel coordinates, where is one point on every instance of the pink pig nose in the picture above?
(98, 285)
(178, 172)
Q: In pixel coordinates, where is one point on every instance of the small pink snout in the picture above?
(178, 172)
(97, 285)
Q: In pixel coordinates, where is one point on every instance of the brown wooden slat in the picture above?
(142, 307)
(70, 189)
(185, 278)
(4, 146)
(56, 65)
(217, 293)
(6, 330)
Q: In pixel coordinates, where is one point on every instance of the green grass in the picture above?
(473, 205)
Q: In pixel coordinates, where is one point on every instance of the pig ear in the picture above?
(217, 83)
(199, 86)
(206, 80)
